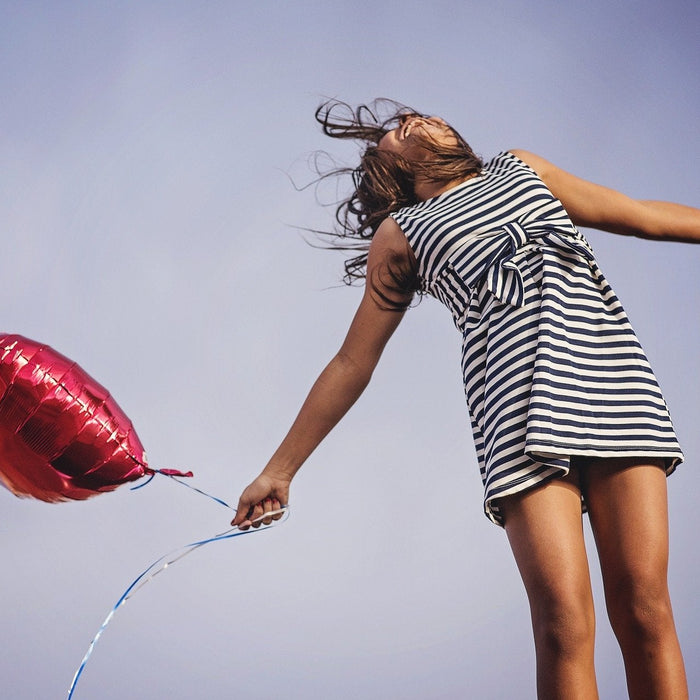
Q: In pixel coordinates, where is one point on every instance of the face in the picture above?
(405, 138)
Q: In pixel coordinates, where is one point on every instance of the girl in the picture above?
(566, 412)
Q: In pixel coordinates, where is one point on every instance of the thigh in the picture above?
(628, 509)
(545, 531)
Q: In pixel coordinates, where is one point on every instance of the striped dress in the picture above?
(552, 368)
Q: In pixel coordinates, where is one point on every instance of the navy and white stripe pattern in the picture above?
(552, 368)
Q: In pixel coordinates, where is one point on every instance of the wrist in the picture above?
(278, 470)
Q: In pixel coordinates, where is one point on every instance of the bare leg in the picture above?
(629, 514)
(545, 532)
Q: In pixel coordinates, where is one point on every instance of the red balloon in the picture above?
(62, 436)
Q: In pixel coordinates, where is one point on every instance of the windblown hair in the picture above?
(384, 181)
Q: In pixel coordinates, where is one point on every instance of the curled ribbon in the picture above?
(170, 558)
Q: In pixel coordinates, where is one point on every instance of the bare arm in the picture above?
(337, 387)
(599, 207)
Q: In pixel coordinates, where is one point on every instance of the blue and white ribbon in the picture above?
(170, 558)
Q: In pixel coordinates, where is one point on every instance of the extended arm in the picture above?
(338, 386)
(599, 207)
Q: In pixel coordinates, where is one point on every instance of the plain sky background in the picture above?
(150, 233)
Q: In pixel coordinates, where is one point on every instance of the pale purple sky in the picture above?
(149, 219)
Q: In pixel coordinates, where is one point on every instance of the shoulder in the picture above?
(561, 183)
(391, 268)
(390, 247)
(389, 239)
(536, 163)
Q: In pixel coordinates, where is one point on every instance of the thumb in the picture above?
(243, 511)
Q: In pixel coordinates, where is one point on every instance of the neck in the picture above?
(427, 189)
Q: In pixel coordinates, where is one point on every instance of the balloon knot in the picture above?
(173, 472)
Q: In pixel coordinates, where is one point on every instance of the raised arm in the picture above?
(339, 385)
(599, 207)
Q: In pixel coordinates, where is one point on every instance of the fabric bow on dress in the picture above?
(504, 273)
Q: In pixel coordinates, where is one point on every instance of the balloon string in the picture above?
(174, 477)
(203, 493)
(149, 478)
(166, 560)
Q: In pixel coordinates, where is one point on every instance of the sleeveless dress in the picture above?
(552, 367)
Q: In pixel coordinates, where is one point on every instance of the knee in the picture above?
(564, 625)
(640, 610)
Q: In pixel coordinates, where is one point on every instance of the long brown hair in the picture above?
(384, 181)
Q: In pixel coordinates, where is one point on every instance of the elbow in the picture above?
(358, 370)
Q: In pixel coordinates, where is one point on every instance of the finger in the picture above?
(242, 516)
(268, 516)
(256, 516)
(277, 510)
(267, 508)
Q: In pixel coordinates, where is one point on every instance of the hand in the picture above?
(268, 493)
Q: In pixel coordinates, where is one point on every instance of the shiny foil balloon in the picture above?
(62, 436)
